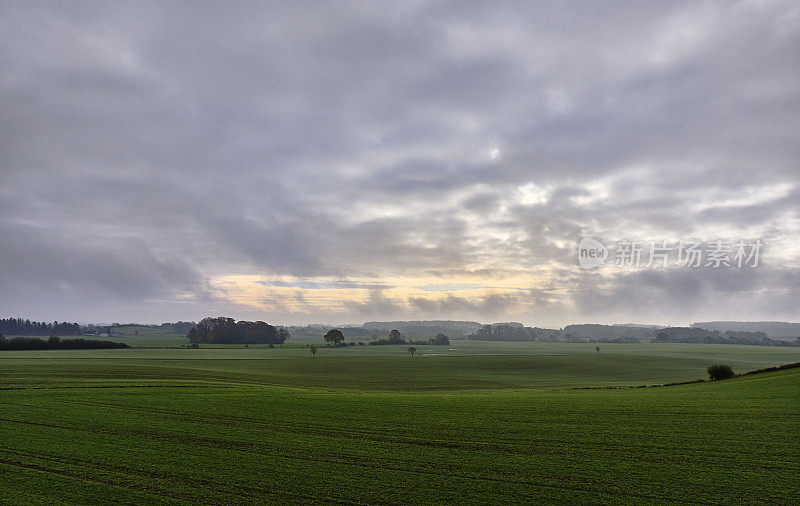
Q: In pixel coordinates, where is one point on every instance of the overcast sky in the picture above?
(348, 161)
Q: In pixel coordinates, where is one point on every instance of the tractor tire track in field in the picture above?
(93, 468)
(106, 482)
(385, 464)
(516, 447)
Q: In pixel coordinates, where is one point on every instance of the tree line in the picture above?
(223, 330)
(20, 327)
(55, 343)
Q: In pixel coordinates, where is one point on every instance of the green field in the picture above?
(473, 422)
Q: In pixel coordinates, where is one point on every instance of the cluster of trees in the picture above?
(439, 340)
(336, 337)
(618, 340)
(20, 327)
(224, 330)
(514, 332)
(396, 337)
(505, 332)
(55, 343)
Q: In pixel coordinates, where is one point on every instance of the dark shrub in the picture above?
(720, 371)
(56, 343)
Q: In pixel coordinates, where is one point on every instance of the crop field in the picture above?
(473, 422)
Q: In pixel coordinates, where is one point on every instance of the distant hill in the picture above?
(510, 324)
(775, 330)
(596, 331)
(588, 332)
(703, 336)
(316, 329)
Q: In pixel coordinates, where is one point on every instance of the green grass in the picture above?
(466, 366)
(483, 422)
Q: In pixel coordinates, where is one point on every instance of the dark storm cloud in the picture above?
(148, 148)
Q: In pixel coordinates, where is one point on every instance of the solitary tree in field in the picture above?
(334, 336)
(313, 351)
(412, 350)
(597, 349)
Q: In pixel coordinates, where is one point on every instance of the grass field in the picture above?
(473, 422)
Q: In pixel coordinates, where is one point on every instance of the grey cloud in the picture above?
(166, 144)
(730, 293)
(47, 260)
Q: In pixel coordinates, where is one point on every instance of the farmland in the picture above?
(476, 422)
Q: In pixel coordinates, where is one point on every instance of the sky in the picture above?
(339, 162)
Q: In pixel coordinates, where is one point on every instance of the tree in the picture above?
(412, 350)
(720, 371)
(395, 337)
(334, 336)
(313, 351)
(441, 340)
